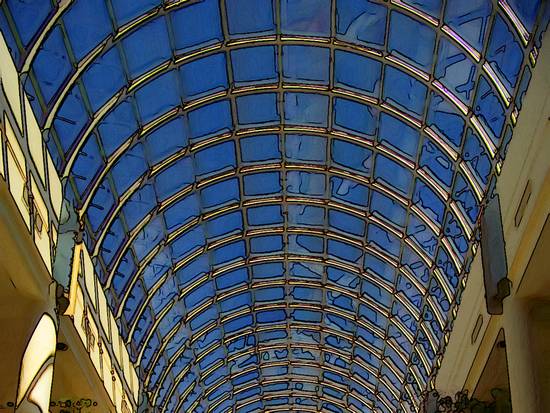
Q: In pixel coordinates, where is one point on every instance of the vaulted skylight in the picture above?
(281, 198)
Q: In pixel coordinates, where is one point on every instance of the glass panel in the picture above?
(306, 17)
(361, 22)
(411, 40)
(196, 26)
(469, 19)
(356, 72)
(304, 64)
(250, 17)
(270, 189)
(504, 53)
(254, 65)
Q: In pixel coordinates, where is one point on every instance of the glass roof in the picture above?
(281, 198)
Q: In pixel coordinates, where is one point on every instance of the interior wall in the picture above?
(25, 295)
(18, 316)
(534, 296)
(495, 374)
(539, 316)
(525, 318)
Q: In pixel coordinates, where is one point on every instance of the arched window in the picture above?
(35, 379)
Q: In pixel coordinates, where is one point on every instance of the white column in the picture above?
(36, 374)
(519, 351)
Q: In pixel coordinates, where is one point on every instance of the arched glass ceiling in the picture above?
(281, 197)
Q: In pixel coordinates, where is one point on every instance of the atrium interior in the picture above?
(241, 206)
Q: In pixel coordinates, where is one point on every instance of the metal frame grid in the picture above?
(359, 312)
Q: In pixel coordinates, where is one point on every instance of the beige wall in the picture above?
(525, 322)
(30, 203)
(26, 293)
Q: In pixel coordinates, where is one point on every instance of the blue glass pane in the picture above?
(167, 140)
(384, 240)
(224, 225)
(404, 91)
(113, 241)
(423, 235)
(305, 148)
(209, 120)
(228, 253)
(475, 153)
(344, 251)
(526, 11)
(174, 178)
(266, 215)
(307, 17)
(202, 76)
(437, 163)
(262, 183)
(126, 10)
(141, 203)
(428, 201)
(361, 21)
(465, 196)
(352, 156)
(196, 25)
(250, 17)
(355, 117)
(455, 70)
(388, 209)
(104, 79)
(346, 223)
(29, 16)
(100, 205)
(349, 191)
(504, 52)
(254, 64)
(189, 241)
(71, 118)
(215, 159)
(260, 148)
(87, 165)
(412, 40)
(147, 47)
(220, 193)
(393, 174)
(445, 118)
(158, 96)
(87, 23)
(398, 135)
(52, 64)
(117, 126)
(306, 64)
(305, 215)
(181, 212)
(266, 245)
(305, 183)
(129, 168)
(488, 107)
(257, 109)
(306, 109)
(469, 19)
(353, 71)
(431, 7)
